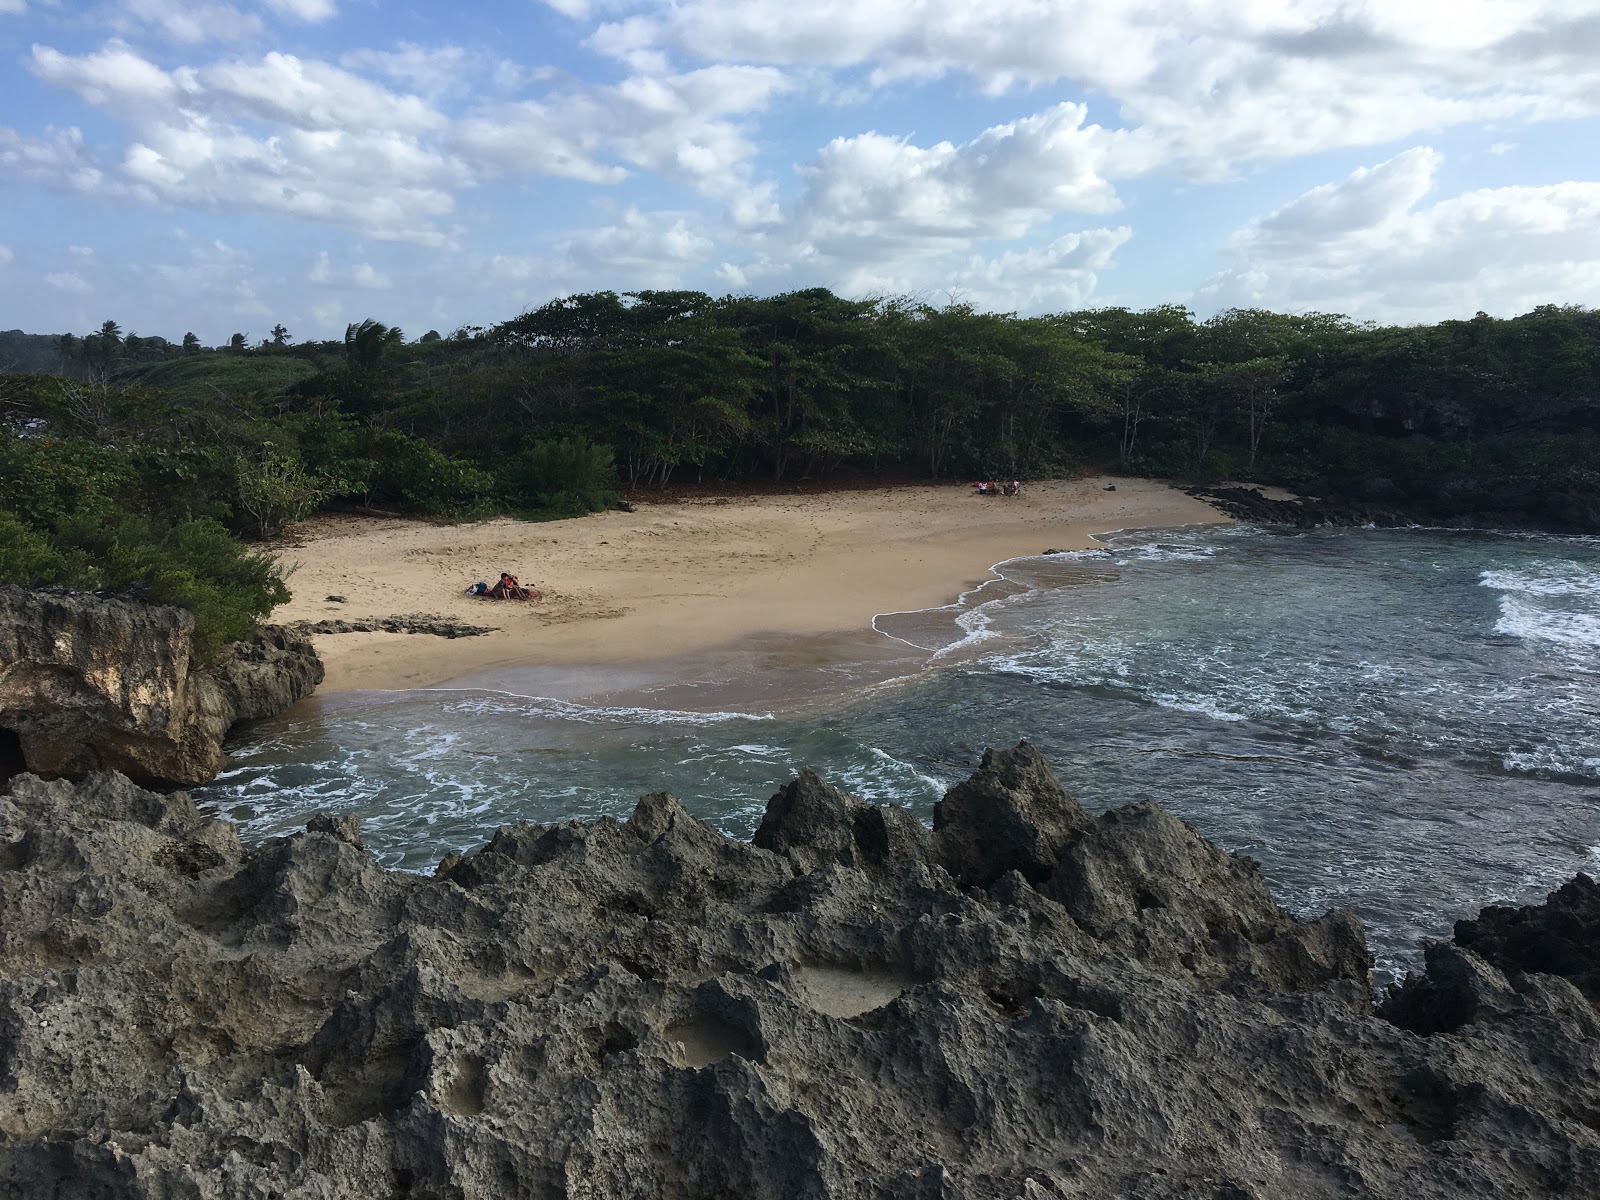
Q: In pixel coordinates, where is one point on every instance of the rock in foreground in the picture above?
(1027, 1002)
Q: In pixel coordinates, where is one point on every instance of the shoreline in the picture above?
(684, 577)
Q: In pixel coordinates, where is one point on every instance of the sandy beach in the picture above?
(673, 578)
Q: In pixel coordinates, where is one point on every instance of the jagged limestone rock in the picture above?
(649, 1008)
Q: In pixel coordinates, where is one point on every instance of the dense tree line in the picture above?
(138, 463)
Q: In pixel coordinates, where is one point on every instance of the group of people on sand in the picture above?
(509, 588)
(987, 487)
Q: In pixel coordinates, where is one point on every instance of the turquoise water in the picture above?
(1405, 722)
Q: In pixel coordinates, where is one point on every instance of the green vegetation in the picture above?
(195, 378)
(132, 462)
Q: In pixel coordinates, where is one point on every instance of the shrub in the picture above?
(275, 489)
(26, 557)
(196, 564)
(413, 473)
(567, 477)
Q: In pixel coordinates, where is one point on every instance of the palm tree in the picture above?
(365, 344)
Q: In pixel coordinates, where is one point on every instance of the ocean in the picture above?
(1405, 722)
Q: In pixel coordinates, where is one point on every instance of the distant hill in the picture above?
(36, 353)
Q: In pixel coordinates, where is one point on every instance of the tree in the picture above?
(191, 344)
(366, 343)
(1255, 387)
(107, 346)
(236, 343)
(277, 489)
(280, 336)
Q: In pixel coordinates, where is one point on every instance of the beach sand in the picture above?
(673, 578)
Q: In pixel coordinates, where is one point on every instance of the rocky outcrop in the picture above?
(405, 623)
(648, 1008)
(1303, 512)
(1524, 503)
(90, 683)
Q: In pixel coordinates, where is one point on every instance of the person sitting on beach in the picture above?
(515, 589)
(977, 487)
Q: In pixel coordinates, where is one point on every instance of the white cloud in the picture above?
(433, 72)
(59, 159)
(1367, 247)
(360, 275)
(307, 139)
(311, 11)
(677, 125)
(305, 94)
(187, 20)
(1212, 82)
(212, 277)
(637, 249)
(113, 76)
(1060, 276)
(868, 193)
(5, 254)
(343, 150)
(13, 7)
(82, 251)
(69, 281)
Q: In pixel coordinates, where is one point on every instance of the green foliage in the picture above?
(26, 557)
(196, 378)
(196, 564)
(44, 481)
(676, 385)
(411, 472)
(566, 477)
(274, 488)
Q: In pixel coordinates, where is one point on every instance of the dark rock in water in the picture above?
(1302, 512)
(1486, 968)
(93, 683)
(648, 1008)
(266, 673)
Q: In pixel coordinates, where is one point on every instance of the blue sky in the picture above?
(224, 165)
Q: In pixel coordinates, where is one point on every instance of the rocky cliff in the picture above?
(89, 683)
(1023, 1002)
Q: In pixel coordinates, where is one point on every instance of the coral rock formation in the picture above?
(1086, 1007)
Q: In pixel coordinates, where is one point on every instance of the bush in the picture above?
(196, 564)
(567, 477)
(411, 472)
(276, 489)
(26, 557)
(44, 480)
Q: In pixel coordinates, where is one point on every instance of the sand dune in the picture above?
(675, 577)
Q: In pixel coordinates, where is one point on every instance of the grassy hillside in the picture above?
(196, 377)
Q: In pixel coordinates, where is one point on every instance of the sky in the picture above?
(222, 166)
